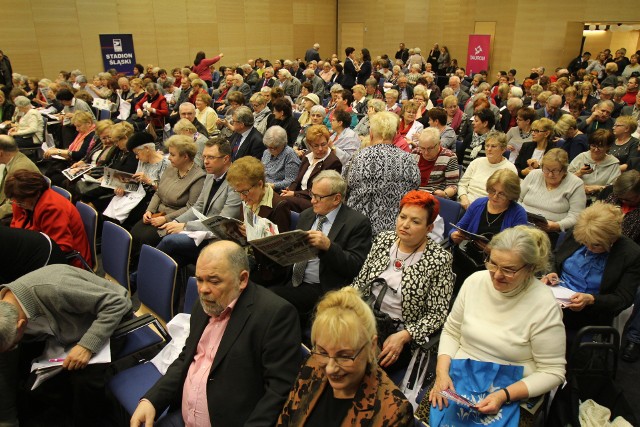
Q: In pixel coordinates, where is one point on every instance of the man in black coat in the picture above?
(246, 140)
(242, 354)
(402, 53)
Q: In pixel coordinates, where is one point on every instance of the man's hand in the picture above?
(318, 240)
(145, 413)
(173, 227)
(158, 221)
(78, 358)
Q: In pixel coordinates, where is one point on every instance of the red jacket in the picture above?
(161, 107)
(59, 219)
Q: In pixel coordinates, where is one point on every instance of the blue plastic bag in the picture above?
(475, 380)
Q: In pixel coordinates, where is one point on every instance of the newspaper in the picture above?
(117, 179)
(262, 234)
(469, 235)
(537, 220)
(50, 361)
(75, 173)
(562, 294)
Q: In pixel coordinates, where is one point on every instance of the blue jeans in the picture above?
(181, 248)
(633, 325)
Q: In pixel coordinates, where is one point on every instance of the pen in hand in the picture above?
(56, 360)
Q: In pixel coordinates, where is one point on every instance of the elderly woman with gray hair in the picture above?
(28, 131)
(261, 112)
(281, 163)
(153, 106)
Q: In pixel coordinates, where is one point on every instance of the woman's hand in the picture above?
(158, 221)
(492, 403)
(172, 227)
(287, 193)
(443, 382)
(584, 170)
(392, 347)
(551, 226)
(146, 218)
(457, 237)
(464, 201)
(243, 230)
(119, 192)
(580, 300)
(79, 164)
(533, 164)
(550, 279)
(592, 189)
(139, 113)
(141, 177)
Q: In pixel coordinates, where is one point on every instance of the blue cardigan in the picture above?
(514, 215)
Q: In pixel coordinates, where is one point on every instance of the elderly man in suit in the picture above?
(312, 54)
(13, 160)
(216, 198)
(316, 81)
(458, 90)
(600, 118)
(246, 140)
(242, 354)
(267, 80)
(342, 237)
(289, 84)
(552, 110)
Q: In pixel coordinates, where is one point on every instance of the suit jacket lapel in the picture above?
(221, 190)
(239, 317)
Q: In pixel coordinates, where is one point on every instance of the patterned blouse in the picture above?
(426, 288)
(377, 178)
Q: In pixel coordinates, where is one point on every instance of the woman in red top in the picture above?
(37, 207)
(201, 66)
(153, 106)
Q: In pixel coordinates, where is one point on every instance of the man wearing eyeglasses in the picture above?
(599, 119)
(342, 237)
(186, 235)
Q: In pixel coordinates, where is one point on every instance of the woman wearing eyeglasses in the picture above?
(553, 193)
(486, 216)
(625, 147)
(600, 265)
(246, 176)
(596, 167)
(472, 185)
(531, 152)
(341, 384)
(322, 157)
(412, 275)
(525, 323)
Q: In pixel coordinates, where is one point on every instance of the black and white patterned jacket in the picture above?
(426, 285)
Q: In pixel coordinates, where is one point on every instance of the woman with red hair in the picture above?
(39, 208)
(413, 275)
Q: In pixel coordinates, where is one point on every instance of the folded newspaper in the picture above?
(469, 235)
(114, 178)
(75, 173)
(284, 248)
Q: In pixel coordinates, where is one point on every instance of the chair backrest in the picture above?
(191, 295)
(156, 282)
(450, 212)
(116, 250)
(46, 178)
(294, 219)
(104, 115)
(61, 191)
(90, 221)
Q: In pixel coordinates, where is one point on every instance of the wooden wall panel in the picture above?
(43, 37)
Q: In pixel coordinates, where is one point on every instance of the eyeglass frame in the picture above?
(508, 273)
(350, 360)
(498, 194)
(320, 198)
(245, 193)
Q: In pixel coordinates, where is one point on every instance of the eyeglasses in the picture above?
(245, 193)
(617, 125)
(497, 194)
(437, 146)
(536, 130)
(509, 273)
(597, 147)
(212, 157)
(319, 197)
(551, 171)
(343, 361)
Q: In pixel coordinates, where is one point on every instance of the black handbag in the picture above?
(385, 324)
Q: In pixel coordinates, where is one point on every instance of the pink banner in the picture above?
(478, 53)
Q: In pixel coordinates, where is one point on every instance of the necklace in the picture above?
(524, 135)
(398, 264)
(181, 176)
(495, 219)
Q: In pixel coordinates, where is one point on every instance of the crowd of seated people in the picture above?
(364, 150)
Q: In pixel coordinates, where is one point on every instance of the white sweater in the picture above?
(523, 329)
(473, 183)
(562, 204)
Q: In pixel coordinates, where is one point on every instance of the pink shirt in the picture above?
(195, 410)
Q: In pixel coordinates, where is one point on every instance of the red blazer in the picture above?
(161, 107)
(59, 219)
